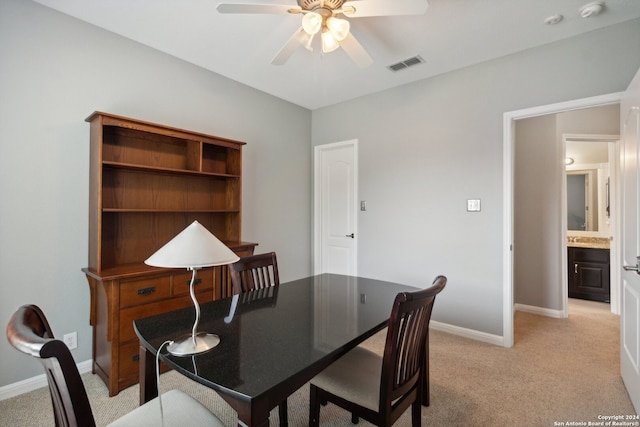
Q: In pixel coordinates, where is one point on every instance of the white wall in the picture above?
(54, 72)
(427, 147)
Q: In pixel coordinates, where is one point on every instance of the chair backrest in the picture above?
(405, 346)
(254, 272)
(29, 332)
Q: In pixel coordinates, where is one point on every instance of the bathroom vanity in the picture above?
(589, 268)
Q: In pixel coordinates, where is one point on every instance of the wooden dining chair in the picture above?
(381, 388)
(254, 272)
(29, 332)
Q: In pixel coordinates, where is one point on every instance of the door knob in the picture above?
(351, 235)
(635, 268)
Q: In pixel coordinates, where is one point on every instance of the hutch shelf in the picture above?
(147, 183)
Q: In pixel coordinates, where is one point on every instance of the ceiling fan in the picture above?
(322, 16)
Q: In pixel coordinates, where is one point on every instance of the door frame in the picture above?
(508, 123)
(615, 261)
(317, 210)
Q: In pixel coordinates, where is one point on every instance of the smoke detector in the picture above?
(591, 9)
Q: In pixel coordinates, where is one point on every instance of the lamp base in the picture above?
(185, 346)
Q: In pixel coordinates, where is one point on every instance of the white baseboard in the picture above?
(467, 333)
(35, 383)
(558, 314)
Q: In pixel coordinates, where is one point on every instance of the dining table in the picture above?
(272, 341)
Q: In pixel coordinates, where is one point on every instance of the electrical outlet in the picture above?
(71, 340)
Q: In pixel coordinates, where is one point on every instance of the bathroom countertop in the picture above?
(588, 242)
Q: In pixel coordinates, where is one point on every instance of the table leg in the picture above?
(249, 415)
(264, 423)
(148, 380)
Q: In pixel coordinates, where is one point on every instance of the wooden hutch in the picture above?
(147, 183)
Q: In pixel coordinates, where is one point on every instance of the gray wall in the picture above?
(538, 202)
(54, 72)
(427, 147)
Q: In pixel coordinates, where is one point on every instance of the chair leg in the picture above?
(425, 375)
(354, 418)
(416, 413)
(283, 413)
(314, 406)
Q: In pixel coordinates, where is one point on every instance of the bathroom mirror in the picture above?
(582, 200)
(587, 174)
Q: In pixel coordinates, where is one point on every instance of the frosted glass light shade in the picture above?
(194, 247)
(339, 27)
(329, 43)
(311, 23)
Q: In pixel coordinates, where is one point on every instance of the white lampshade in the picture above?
(194, 247)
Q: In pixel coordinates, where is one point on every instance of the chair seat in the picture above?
(179, 409)
(355, 377)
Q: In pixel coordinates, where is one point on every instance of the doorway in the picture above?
(509, 120)
(594, 165)
(335, 214)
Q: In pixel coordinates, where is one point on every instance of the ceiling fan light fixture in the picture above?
(339, 28)
(311, 23)
(329, 42)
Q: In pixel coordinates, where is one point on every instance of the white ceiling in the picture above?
(588, 152)
(451, 35)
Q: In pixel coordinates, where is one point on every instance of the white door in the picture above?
(630, 307)
(336, 175)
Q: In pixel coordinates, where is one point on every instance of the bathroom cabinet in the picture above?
(589, 273)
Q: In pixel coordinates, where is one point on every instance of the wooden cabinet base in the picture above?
(116, 301)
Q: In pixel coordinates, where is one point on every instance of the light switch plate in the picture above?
(473, 205)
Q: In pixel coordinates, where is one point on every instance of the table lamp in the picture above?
(193, 248)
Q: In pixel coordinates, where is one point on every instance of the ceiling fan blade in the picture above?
(356, 52)
(359, 9)
(257, 8)
(289, 47)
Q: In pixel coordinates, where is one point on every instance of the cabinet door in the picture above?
(590, 280)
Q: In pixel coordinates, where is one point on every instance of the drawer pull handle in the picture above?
(145, 291)
(195, 282)
(575, 268)
(135, 357)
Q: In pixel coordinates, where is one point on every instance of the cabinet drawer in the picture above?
(144, 290)
(589, 255)
(128, 315)
(129, 365)
(181, 281)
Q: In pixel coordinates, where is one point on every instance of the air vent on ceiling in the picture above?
(415, 60)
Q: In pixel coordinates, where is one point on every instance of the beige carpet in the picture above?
(559, 371)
